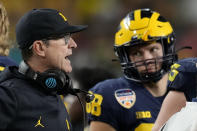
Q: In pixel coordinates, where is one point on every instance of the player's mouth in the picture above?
(151, 70)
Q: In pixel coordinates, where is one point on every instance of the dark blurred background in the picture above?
(95, 45)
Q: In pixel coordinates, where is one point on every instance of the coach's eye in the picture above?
(67, 38)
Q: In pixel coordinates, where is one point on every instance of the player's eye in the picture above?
(154, 49)
(136, 54)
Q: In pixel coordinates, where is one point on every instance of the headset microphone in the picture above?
(89, 97)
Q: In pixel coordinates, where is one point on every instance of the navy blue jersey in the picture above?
(6, 61)
(183, 77)
(124, 104)
(26, 106)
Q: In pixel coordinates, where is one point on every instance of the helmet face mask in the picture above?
(139, 28)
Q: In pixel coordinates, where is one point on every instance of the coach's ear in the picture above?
(39, 48)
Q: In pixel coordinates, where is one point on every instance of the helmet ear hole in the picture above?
(172, 38)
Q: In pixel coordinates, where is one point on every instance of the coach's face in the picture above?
(58, 51)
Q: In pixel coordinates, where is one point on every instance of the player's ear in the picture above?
(39, 48)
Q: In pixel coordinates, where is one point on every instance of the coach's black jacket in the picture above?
(26, 106)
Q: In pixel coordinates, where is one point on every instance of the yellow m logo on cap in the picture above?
(63, 16)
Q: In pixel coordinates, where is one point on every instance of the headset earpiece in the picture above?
(51, 80)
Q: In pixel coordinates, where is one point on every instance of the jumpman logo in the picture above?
(39, 123)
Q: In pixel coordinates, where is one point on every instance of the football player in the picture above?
(144, 44)
(182, 85)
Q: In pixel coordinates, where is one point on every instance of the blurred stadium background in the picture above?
(95, 45)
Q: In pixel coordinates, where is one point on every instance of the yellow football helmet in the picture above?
(140, 27)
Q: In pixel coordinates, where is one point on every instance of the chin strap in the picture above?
(184, 47)
(114, 60)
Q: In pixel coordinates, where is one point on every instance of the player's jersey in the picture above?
(6, 61)
(124, 104)
(183, 77)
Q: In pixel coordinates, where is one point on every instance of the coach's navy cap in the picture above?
(39, 24)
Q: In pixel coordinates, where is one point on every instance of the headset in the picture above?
(53, 80)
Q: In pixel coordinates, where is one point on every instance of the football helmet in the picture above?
(140, 27)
